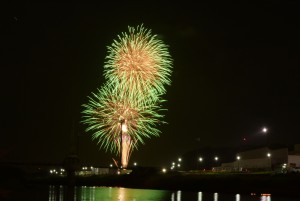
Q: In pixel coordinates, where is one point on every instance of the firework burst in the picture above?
(138, 61)
(108, 109)
(126, 110)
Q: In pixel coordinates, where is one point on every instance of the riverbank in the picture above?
(244, 183)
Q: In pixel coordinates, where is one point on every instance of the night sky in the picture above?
(235, 70)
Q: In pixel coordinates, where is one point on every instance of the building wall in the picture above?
(256, 153)
(294, 159)
(279, 156)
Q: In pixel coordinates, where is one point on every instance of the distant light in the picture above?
(110, 165)
(200, 159)
(216, 158)
(269, 155)
(135, 164)
(264, 130)
(265, 194)
(238, 157)
(173, 163)
(51, 171)
(179, 159)
(164, 170)
(178, 165)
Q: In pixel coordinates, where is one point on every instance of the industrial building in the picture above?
(264, 158)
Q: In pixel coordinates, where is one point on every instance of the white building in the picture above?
(264, 159)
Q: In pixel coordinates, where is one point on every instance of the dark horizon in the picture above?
(235, 71)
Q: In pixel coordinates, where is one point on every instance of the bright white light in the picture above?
(237, 197)
(178, 165)
(269, 155)
(179, 195)
(216, 195)
(200, 159)
(179, 159)
(238, 157)
(200, 196)
(264, 130)
(51, 171)
(164, 170)
(216, 158)
(124, 127)
(135, 164)
(173, 163)
(110, 165)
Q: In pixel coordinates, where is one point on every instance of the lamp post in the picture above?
(269, 160)
(200, 161)
(238, 159)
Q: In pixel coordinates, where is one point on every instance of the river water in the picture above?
(127, 194)
(61, 193)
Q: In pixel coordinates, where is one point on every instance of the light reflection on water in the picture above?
(83, 193)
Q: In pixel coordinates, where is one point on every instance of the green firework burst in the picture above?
(138, 61)
(107, 108)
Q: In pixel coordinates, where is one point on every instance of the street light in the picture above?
(216, 158)
(269, 160)
(179, 159)
(200, 160)
(238, 159)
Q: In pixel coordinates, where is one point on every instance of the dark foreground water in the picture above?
(60, 193)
